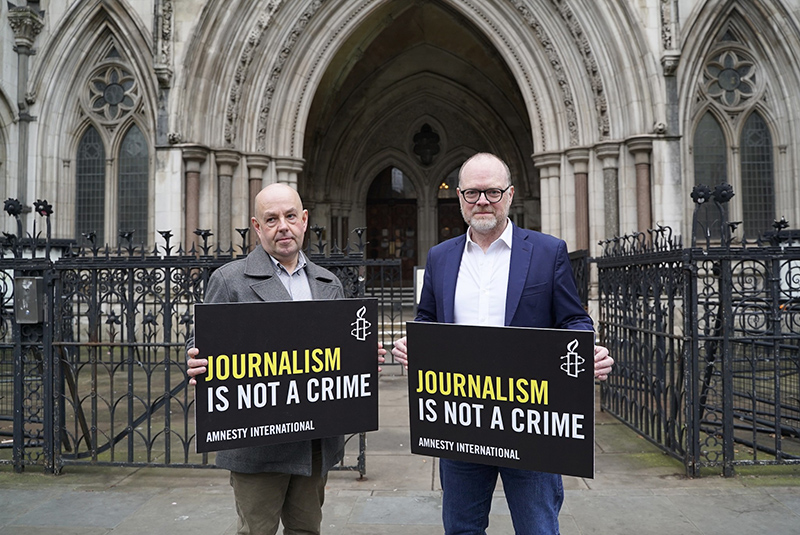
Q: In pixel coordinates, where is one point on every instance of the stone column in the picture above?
(641, 148)
(193, 158)
(256, 164)
(26, 23)
(344, 222)
(549, 165)
(608, 153)
(288, 169)
(579, 158)
(227, 161)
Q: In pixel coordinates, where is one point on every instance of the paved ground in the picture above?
(637, 490)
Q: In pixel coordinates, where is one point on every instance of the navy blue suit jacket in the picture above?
(541, 286)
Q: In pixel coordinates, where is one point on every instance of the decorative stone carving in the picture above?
(174, 138)
(669, 63)
(667, 24)
(26, 23)
(426, 144)
(277, 69)
(590, 64)
(660, 128)
(558, 68)
(242, 71)
(730, 78)
(163, 43)
(113, 93)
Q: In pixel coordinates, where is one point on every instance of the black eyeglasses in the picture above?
(493, 195)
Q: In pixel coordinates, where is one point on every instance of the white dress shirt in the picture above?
(482, 282)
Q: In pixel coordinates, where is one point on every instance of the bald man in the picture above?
(282, 482)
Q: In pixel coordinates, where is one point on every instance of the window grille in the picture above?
(132, 190)
(91, 186)
(758, 179)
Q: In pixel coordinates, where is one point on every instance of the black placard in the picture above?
(285, 371)
(503, 396)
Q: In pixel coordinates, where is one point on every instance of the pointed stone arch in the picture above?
(583, 69)
(90, 35)
(739, 27)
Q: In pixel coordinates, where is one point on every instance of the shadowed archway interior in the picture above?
(419, 88)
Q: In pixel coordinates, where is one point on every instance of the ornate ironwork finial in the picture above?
(13, 207)
(780, 225)
(126, 235)
(701, 193)
(166, 235)
(723, 193)
(43, 208)
(204, 234)
(91, 236)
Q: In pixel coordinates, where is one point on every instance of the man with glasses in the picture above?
(499, 274)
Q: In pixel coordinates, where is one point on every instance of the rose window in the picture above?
(113, 93)
(730, 79)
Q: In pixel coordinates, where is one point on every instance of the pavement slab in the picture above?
(636, 490)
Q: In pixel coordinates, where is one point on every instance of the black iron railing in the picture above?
(706, 339)
(100, 378)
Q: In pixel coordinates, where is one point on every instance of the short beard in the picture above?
(483, 225)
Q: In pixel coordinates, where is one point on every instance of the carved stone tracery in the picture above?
(590, 64)
(558, 68)
(242, 70)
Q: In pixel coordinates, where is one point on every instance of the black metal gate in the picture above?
(706, 339)
(92, 354)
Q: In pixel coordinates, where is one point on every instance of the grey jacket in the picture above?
(253, 279)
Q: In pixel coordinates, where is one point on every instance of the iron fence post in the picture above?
(691, 356)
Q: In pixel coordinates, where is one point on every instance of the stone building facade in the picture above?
(148, 115)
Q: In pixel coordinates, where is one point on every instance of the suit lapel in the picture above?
(267, 286)
(521, 257)
(320, 283)
(451, 267)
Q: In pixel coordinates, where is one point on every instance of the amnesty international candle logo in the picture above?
(572, 366)
(361, 325)
(503, 396)
(285, 371)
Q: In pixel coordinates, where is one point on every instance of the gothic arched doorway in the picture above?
(392, 219)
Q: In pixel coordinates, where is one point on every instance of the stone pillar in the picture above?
(549, 165)
(26, 23)
(288, 169)
(608, 153)
(579, 158)
(227, 161)
(641, 148)
(344, 222)
(336, 234)
(256, 164)
(193, 158)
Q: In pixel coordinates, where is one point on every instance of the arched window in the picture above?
(710, 152)
(758, 178)
(112, 182)
(132, 184)
(733, 142)
(91, 186)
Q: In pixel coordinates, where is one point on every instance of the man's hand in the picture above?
(381, 353)
(195, 366)
(602, 363)
(400, 351)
